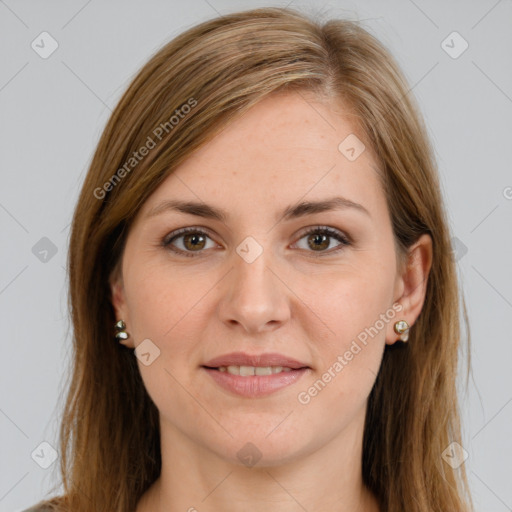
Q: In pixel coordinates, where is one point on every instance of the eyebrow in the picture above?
(291, 212)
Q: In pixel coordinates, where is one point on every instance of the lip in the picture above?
(255, 385)
(243, 359)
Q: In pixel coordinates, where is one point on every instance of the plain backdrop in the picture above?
(53, 107)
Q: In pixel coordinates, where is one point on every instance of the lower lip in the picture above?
(255, 385)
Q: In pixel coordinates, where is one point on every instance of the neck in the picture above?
(196, 479)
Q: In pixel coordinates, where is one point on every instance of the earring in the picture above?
(121, 334)
(402, 327)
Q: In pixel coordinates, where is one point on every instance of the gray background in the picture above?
(52, 113)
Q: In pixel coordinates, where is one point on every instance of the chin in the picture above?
(261, 449)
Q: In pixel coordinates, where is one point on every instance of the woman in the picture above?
(262, 287)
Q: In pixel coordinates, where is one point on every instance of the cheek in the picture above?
(158, 299)
(162, 310)
(348, 360)
(351, 303)
(167, 309)
(355, 314)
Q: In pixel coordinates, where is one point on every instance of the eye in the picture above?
(194, 240)
(318, 239)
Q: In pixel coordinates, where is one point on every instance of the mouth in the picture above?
(265, 360)
(248, 371)
(254, 376)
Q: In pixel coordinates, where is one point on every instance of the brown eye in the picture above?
(319, 239)
(187, 241)
(194, 241)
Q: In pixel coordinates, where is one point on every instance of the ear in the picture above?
(118, 299)
(412, 285)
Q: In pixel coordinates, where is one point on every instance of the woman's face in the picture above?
(257, 282)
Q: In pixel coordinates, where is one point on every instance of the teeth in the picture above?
(246, 371)
(263, 370)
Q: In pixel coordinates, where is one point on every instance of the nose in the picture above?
(254, 296)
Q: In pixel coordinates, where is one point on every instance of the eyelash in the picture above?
(344, 241)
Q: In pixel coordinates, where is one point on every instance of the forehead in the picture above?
(289, 146)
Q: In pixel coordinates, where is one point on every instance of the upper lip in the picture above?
(243, 359)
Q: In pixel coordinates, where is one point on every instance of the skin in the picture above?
(305, 302)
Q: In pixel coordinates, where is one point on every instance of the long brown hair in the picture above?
(186, 93)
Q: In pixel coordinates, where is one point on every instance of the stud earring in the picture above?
(121, 334)
(402, 328)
